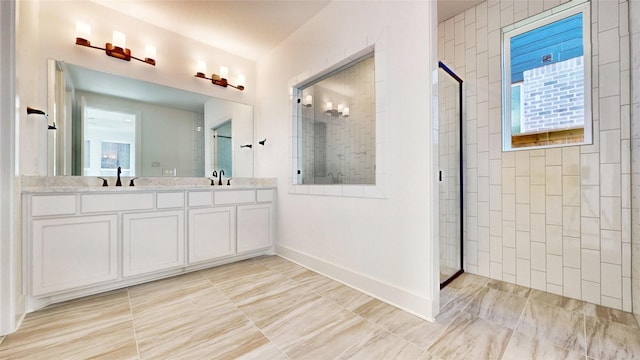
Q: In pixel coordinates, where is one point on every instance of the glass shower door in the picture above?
(450, 173)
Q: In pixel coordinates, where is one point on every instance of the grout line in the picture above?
(133, 323)
(215, 286)
(515, 328)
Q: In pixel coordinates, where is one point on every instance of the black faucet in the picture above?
(131, 181)
(118, 182)
(220, 179)
(215, 175)
(104, 181)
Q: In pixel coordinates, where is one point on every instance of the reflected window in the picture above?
(336, 126)
(115, 155)
(110, 142)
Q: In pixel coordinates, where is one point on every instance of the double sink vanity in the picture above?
(81, 238)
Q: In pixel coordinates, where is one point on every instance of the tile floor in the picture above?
(270, 308)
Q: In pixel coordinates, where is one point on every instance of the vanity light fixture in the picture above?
(342, 110)
(116, 48)
(308, 101)
(221, 79)
(31, 110)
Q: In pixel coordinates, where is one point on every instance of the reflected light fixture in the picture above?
(308, 101)
(116, 48)
(342, 110)
(221, 79)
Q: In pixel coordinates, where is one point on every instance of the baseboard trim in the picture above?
(398, 297)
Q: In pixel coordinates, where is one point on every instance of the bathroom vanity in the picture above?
(85, 240)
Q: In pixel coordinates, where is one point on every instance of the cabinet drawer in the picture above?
(53, 205)
(265, 195)
(92, 203)
(170, 200)
(200, 198)
(234, 197)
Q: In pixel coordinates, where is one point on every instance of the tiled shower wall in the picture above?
(557, 220)
(634, 25)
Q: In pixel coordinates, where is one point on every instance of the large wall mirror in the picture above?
(106, 121)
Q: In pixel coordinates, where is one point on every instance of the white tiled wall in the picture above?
(558, 219)
(634, 25)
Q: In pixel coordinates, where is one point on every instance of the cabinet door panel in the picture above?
(73, 252)
(211, 233)
(254, 227)
(152, 242)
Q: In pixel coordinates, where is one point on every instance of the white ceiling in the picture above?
(247, 28)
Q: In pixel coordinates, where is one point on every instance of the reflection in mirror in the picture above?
(336, 137)
(221, 148)
(106, 121)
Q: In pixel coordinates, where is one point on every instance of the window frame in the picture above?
(547, 17)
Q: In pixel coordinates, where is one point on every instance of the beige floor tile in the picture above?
(75, 330)
(270, 308)
(510, 288)
(382, 345)
(558, 301)
(605, 313)
(497, 306)
(522, 347)
(611, 340)
(160, 337)
(409, 327)
(347, 297)
(470, 337)
(319, 329)
(234, 271)
(563, 328)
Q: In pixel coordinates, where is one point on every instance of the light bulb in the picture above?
(119, 39)
(329, 106)
(202, 67)
(309, 100)
(150, 51)
(241, 80)
(224, 72)
(83, 30)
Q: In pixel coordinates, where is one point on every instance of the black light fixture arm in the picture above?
(31, 110)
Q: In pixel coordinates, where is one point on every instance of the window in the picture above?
(546, 79)
(336, 126)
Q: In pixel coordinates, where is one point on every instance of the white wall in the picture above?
(382, 246)
(241, 116)
(557, 220)
(11, 299)
(50, 33)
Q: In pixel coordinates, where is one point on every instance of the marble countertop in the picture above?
(34, 184)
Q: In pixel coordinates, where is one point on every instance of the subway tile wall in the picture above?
(558, 219)
(634, 26)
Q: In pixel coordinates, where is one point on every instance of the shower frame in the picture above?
(461, 173)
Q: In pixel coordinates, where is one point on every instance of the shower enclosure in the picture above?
(450, 173)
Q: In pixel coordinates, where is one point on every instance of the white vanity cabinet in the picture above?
(212, 233)
(81, 242)
(254, 227)
(73, 252)
(152, 242)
